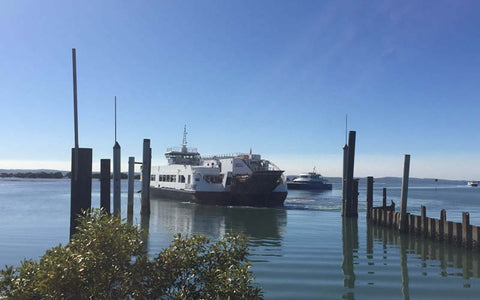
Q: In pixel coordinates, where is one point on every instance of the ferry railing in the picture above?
(179, 149)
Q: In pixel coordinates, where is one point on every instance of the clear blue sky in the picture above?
(277, 76)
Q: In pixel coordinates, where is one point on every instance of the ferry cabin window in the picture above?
(189, 177)
(152, 177)
(181, 178)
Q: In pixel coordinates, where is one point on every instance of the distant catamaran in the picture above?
(473, 183)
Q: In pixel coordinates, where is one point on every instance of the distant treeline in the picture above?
(33, 175)
(57, 175)
(97, 175)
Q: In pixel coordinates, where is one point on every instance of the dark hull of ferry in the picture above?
(308, 186)
(271, 199)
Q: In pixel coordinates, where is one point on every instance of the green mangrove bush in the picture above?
(104, 260)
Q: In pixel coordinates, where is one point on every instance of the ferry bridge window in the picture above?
(152, 177)
(213, 178)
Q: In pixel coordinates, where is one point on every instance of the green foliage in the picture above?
(104, 261)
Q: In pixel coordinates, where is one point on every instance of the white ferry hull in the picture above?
(269, 199)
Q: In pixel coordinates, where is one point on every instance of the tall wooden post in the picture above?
(81, 172)
(146, 172)
(131, 177)
(344, 179)
(116, 180)
(384, 201)
(349, 187)
(105, 185)
(466, 230)
(369, 197)
(81, 187)
(404, 194)
(354, 212)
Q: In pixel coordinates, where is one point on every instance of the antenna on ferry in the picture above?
(184, 143)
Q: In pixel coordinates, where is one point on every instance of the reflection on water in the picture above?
(313, 256)
(420, 264)
(262, 225)
(431, 253)
(350, 251)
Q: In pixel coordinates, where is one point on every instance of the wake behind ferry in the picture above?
(244, 179)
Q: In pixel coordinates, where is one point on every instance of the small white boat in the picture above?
(473, 183)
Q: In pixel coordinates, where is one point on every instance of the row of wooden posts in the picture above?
(81, 175)
(462, 234)
(81, 183)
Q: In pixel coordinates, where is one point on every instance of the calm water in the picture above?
(302, 251)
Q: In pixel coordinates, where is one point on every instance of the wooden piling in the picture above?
(344, 180)
(81, 186)
(349, 179)
(131, 177)
(457, 233)
(431, 228)
(475, 237)
(105, 185)
(466, 230)
(423, 224)
(116, 180)
(355, 198)
(404, 194)
(369, 197)
(146, 172)
(448, 231)
(384, 200)
(411, 223)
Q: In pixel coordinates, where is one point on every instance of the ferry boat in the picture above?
(236, 180)
(473, 183)
(309, 181)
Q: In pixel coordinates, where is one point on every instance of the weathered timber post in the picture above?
(355, 198)
(404, 195)
(344, 179)
(105, 185)
(146, 172)
(349, 209)
(131, 177)
(423, 222)
(116, 180)
(441, 225)
(81, 172)
(81, 187)
(384, 201)
(369, 197)
(466, 230)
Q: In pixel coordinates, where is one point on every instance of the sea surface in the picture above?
(302, 251)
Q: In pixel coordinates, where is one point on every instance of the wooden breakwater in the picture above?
(461, 234)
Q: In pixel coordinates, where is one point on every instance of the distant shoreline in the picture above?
(30, 174)
(58, 174)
